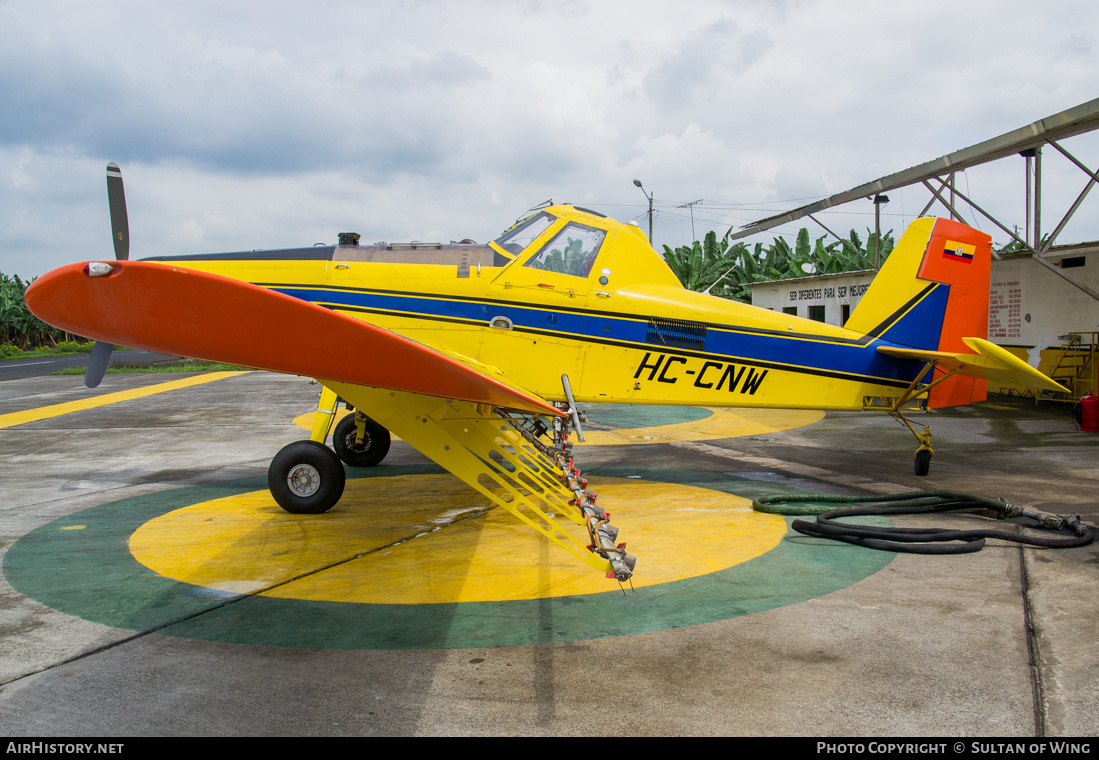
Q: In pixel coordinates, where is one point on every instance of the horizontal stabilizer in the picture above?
(990, 362)
(190, 313)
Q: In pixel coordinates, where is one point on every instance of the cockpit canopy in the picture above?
(571, 251)
(519, 236)
(577, 242)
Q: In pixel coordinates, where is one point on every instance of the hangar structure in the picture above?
(1044, 298)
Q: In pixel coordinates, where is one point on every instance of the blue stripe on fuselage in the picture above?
(860, 361)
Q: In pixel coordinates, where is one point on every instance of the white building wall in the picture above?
(1028, 304)
(1031, 306)
(832, 291)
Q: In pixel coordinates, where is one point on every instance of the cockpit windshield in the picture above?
(572, 251)
(519, 237)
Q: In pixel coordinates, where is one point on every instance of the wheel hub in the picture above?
(352, 444)
(304, 480)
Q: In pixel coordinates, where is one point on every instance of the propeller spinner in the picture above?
(120, 233)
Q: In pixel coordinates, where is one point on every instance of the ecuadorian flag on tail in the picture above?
(959, 251)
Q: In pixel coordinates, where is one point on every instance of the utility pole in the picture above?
(650, 197)
(691, 206)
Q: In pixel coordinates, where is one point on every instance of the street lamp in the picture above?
(650, 197)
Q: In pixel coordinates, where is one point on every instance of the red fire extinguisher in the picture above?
(1086, 413)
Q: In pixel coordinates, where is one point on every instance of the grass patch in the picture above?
(8, 351)
(185, 365)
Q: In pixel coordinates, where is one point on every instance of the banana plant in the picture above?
(18, 327)
(725, 270)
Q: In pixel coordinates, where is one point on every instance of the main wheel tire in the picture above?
(366, 454)
(306, 478)
(923, 462)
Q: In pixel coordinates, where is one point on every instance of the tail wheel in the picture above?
(923, 461)
(369, 452)
(306, 478)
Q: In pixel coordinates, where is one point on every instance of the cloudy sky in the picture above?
(243, 125)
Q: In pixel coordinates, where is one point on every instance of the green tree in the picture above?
(726, 270)
(18, 326)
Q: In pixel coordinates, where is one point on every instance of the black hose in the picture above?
(919, 540)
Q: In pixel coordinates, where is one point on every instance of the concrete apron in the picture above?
(156, 592)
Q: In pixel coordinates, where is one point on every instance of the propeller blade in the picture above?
(120, 224)
(97, 363)
(120, 234)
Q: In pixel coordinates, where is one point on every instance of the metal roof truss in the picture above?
(1026, 141)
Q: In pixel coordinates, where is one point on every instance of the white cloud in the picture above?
(249, 124)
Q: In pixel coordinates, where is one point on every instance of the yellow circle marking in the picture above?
(305, 421)
(403, 540)
(723, 423)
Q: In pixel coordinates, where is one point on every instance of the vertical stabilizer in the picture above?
(931, 293)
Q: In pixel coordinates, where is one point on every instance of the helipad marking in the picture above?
(89, 573)
(724, 422)
(684, 423)
(407, 536)
(45, 412)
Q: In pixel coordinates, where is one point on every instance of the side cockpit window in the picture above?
(571, 251)
(515, 240)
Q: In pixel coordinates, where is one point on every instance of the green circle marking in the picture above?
(618, 416)
(90, 573)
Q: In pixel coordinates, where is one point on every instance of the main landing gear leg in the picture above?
(360, 441)
(326, 412)
(924, 452)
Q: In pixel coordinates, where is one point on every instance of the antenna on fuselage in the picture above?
(544, 204)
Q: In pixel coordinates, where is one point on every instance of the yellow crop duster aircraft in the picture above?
(477, 355)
